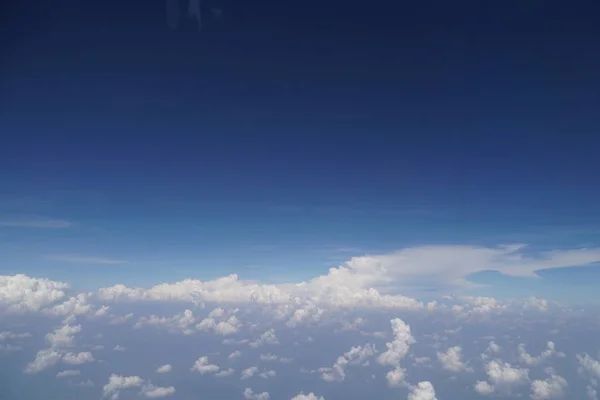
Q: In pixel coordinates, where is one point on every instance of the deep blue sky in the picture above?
(289, 135)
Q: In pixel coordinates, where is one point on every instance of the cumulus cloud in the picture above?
(531, 360)
(117, 383)
(250, 395)
(502, 378)
(357, 301)
(398, 348)
(423, 391)
(451, 360)
(552, 387)
(355, 356)
(202, 366)
(268, 337)
(20, 293)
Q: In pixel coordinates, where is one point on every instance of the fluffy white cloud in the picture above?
(63, 336)
(589, 365)
(451, 360)
(78, 358)
(267, 337)
(228, 327)
(502, 378)
(116, 383)
(355, 356)
(396, 377)
(20, 293)
(423, 391)
(398, 348)
(250, 395)
(552, 387)
(531, 360)
(43, 359)
(204, 367)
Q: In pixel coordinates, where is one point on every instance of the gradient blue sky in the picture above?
(285, 138)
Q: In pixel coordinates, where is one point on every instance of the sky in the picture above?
(282, 140)
(299, 200)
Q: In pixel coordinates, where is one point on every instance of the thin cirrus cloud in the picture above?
(35, 222)
(73, 258)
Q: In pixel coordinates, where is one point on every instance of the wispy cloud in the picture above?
(35, 222)
(73, 258)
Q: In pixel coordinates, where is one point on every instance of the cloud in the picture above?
(20, 293)
(552, 387)
(116, 383)
(502, 378)
(77, 259)
(310, 396)
(35, 222)
(68, 373)
(155, 392)
(531, 360)
(250, 395)
(164, 369)
(451, 360)
(399, 346)
(357, 355)
(423, 391)
(204, 367)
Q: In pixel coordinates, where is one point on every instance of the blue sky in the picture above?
(284, 139)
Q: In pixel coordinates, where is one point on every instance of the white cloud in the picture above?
(310, 396)
(355, 356)
(552, 387)
(249, 372)
(63, 336)
(225, 373)
(155, 392)
(78, 358)
(116, 383)
(502, 378)
(163, 369)
(20, 293)
(43, 359)
(268, 337)
(423, 391)
(398, 348)
(228, 327)
(451, 360)
(589, 365)
(204, 367)
(250, 395)
(531, 360)
(68, 373)
(396, 377)
(74, 306)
